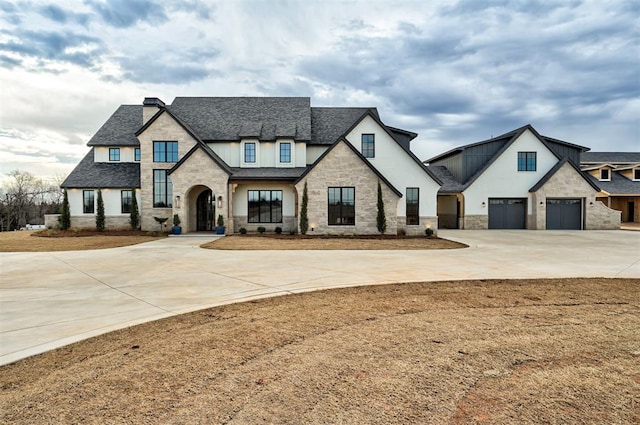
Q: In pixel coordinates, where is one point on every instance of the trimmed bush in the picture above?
(261, 229)
(243, 231)
(278, 230)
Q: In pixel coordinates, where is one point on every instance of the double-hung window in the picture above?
(342, 206)
(114, 154)
(285, 152)
(162, 189)
(413, 204)
(250, 152)
(605, 174)
(125, 201)
(636, 174)
(136, 154)
(165, 151)
(264, 206)
(88, 201)
(369, 145)
(526, 161)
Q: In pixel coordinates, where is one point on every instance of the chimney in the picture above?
(150, 107)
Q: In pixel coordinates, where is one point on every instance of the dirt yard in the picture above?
(57, 240)
(299, 242)
(529, 351)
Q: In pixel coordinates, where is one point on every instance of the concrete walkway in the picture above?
(51, 299)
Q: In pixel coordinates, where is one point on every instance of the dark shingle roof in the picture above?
(619, 185)
(120, 129)
(266, 173)
(231, 118)
(449, 182)
(328, 124)
(610, 157)
(89, 174)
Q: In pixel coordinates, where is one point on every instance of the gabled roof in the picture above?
(610, 157)
(208, 151)
(557, 167)
(359, 155)
(618, 185)
(120, 129)
(328, 124)
(449, 182)
(410, 134)
(105, 175)
(231, 118)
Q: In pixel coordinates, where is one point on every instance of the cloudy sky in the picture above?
(455, 72)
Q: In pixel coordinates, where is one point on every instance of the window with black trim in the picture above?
(125, 201)
(636, 174)
(285, 152)
(342, 206)
(114, 154)
(413, 206)
(136, 154)
(264, 206)
(250, 152)
(165, 151)
(88, 201)
(162, 189)
(605, 174)
(369, 145)
(527, 161)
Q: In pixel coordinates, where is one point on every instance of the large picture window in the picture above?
(162, 189)
(368, 145)
(265, 206)
(87, 201)
(342, 206)
(114, 154)
(413, 206)
(125, 201)
(165, 151)
(526, 161)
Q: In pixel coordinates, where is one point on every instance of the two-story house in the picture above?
(248, 160)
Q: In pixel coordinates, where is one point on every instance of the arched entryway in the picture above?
(205, 211)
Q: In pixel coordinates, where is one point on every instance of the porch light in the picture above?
(484, 204)
(219, 201)
(177, 201)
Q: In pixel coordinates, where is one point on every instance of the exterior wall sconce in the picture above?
(591, 203)
(541, 204)
(484, 204)
(219, 201)
(177, 201)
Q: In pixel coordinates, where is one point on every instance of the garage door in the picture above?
(507, 213)
(564, 214)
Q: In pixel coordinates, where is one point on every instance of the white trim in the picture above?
(633, 174)
(250, 164)
(292, 150)
(600, 178)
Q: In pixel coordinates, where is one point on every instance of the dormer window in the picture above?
(250, 152)
(636, 174)
(136, 154)
(114, 154)
(605, 174)
(285, 152)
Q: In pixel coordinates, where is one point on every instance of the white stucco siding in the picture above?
(397, 166)
(110, 197)
(240, 204)
(503, 180)
(300, 154)
(229, 152)
(313, 153)
(101, 154)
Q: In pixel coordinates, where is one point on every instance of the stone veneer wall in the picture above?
(568, 183)
(343, 168)
(476, 222)
(89, 221)
(288, 224)
(417, 229)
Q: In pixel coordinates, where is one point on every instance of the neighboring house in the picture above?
(248, 159)
(519, 180)
(618, 176)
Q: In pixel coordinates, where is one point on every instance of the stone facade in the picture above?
(341, 167)
(111, 222)
(476, 222)
(288, 224)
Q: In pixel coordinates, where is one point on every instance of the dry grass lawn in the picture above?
(298, 242)
(25, 241)
(529, 351)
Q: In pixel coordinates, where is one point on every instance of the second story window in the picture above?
(114, 154)
(605, 174)
(285, 152)
(527, 161)
(136, 154)
(636, 174)
(165, 151)
(250, 152)
(369, 145)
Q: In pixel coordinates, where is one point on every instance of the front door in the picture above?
(631, 211)
(206, 211)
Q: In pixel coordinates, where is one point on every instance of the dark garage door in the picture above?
(507, 213)
(564, 214)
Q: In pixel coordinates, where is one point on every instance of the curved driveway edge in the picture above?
(51, 299)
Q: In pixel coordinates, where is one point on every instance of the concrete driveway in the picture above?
(51, 299)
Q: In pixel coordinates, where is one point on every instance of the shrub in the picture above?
(220, 220)
(428, 231)
(134, 215)
(75, 231)
(243, 231)
(176, 220)
(65, 215)
(261, 229)
(381, 219)
(100, 213)
(278, 230)
(304, 220)
(402, 232)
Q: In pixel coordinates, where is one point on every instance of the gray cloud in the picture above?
(126, 13)
(62, 16)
